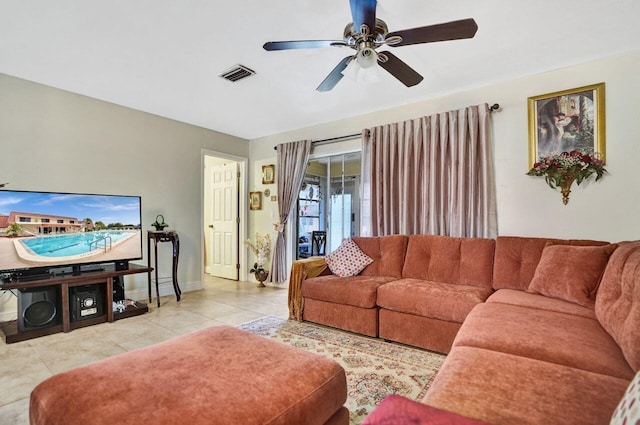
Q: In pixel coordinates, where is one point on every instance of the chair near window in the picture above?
(318, 242)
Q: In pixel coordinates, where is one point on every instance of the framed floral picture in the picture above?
(255, 201)
(268, 174)
(567, 120)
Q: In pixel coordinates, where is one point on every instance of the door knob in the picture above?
(211, 226)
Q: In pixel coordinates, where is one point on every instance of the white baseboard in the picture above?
(166, 288)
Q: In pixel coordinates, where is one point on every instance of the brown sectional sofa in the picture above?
(409, 287)
(351, 303)
(514, 357)
(443, 280)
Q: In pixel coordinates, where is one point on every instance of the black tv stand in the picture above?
(105, 276)
(79, 269)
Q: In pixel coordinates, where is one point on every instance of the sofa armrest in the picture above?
(395, 410)
(301, 270)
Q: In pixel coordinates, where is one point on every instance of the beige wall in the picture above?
(52, 140)
(606, 210)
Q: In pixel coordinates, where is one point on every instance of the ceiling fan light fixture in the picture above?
(351, 71)
(367, 57)
(358, 74)
(370, 75)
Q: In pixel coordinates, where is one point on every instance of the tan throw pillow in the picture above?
(571, 273)
(348, 260)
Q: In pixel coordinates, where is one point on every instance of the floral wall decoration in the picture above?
(561, 170)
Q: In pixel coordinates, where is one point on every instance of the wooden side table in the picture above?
(163, 236)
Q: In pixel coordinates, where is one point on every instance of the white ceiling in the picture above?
(163, 56)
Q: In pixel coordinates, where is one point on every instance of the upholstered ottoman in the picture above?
(220, 375)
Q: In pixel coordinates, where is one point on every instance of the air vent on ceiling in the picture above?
(236, 73)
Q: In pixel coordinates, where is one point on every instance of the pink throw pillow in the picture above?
(571, 273)
(348, 260)
(399, 410)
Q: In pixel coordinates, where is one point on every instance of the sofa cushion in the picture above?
(358, 291)
(525, 299)
(628, 410)
(347, 260)
(548, 336)
(618, 300)
(436, 300)
(516, 259)
(387, 252)
(501, 388)
(466, 261)
(571, 273)
(342, 316)
(419, 331)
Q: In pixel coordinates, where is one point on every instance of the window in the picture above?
(24, 219)
(59, 221)
(44, 220)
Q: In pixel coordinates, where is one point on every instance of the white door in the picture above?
(224, 221)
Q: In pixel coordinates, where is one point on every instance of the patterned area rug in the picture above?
(374, 368)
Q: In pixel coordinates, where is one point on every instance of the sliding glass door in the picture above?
(344, 185)
(328, 204)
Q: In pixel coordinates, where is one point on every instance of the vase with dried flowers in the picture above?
(261, 248)
(562, 169)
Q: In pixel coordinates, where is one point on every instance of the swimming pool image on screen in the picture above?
(74, 244)
(47, 229)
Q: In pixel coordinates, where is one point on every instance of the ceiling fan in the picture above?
(367, 33)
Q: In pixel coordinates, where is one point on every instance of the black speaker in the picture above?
(86, 302)
(118, 288)
(39, 308)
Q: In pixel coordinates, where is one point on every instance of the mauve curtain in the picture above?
(432, 175)
(290, 168)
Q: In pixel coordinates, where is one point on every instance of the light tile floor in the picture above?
(25, 364)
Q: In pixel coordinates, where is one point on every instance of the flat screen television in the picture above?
(42, 232)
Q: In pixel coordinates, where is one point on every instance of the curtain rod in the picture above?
(492, 108)
(332, 140)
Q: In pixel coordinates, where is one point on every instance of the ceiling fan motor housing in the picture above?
(353, 36)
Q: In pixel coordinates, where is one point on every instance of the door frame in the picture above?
(243, 165)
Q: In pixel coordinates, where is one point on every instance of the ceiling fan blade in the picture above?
(455, 30)
(363, 12)
(301, 44)
(334, 76)
(403, 72)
